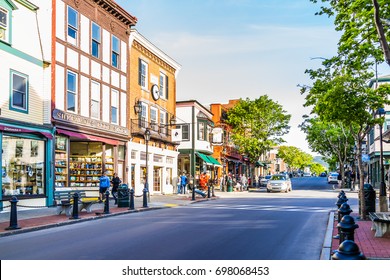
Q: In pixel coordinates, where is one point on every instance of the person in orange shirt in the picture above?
(203, 181)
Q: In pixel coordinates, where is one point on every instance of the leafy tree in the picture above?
(364, 24)
(294, 157)
(317, 168)
(330, 139)
(257, 125)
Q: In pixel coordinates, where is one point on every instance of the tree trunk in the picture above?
(381, 32)
(361, 180)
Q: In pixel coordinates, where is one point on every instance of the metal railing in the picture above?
(162, 131)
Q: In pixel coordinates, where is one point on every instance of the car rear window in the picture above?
(279, 178)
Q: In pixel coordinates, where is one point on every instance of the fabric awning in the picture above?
(24, 130)
(208, 159)
(260, 164)
(88, 137)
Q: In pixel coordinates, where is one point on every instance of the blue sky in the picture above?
(233, 49)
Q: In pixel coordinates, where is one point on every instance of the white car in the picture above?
(264, 181)
(279, 183)
(306, 174)
(332, 178)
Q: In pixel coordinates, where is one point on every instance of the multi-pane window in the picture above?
(115, 52)
(162, 85)
(96, 40)
(144, 115)
(3, 24)
(163, 126)
(71, 91)
(153, 115)
(143, 73)
(73, 25)
(114, 106)
(95, 100)
(185, 132)
(201, 131)
(19, 91)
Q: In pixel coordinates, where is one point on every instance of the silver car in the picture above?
(279, 183)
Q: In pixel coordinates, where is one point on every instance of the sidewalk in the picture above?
(35, 219)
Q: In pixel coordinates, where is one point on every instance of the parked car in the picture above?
(279, 183)
(264, 180)
(323, 174)
(332, 178)
(306, 174)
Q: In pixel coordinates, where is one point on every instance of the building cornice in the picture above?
(117, 11)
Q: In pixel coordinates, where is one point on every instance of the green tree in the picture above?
(317, 168)
(294, 157)
(365, 29)
(257, 125)
(330, 139)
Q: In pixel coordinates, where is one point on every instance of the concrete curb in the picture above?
(98, 216)
(327, 246)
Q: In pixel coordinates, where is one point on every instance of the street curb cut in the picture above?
(327, 246)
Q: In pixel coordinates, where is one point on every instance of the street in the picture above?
(238, 226)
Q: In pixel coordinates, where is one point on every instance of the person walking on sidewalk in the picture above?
(183, 183)
(116, 181)
(104, 184)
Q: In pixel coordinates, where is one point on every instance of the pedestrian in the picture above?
(115, 181)
(104, 184)
(203, 181)
(183, 183)
(339, 180)
(244, 182)
(178, 183)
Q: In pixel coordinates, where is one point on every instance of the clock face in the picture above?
(155, 92)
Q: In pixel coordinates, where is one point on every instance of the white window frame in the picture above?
(96, 40)
(4, 28)
(162, 86)
(24, 94)
(114, 52)
(114, 106)
(144, 74)
(71, 91)
(71, 39)
(153, 115)
(95, 99)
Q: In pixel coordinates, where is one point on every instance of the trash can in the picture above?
(123, 196)
(369, 198)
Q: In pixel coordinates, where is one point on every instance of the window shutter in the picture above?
(139, 71)
(166, 87)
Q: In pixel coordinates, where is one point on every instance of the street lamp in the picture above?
(382, 190)
(146, 186)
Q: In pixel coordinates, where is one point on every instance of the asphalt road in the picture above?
(251, 226)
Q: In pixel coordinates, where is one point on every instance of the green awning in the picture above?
(214, 161)
(260, 164)
(208, 159)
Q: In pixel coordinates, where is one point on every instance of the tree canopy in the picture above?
(257, 125)
(294, 157)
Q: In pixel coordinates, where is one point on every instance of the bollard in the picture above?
(131, 203)
(344, 209)
(347, 228)
(341, 193)
(144, 198)
(13, 222)
(342, 199)
(213, 191)
(107, 203)
(208, 191)
(348, 250)
(193, 192)
(75, 212)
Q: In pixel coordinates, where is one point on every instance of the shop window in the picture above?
(96, 41)
(4, 25)
(23, 166)
(19, 92)
(121, 152)
(73, 25)
(71, 91)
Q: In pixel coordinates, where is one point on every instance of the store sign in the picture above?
(217, 136)
(96, 124)
(176, 135)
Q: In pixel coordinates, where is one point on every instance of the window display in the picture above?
(22, 166)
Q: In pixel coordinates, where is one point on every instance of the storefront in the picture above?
(26, 170)
(83, 153)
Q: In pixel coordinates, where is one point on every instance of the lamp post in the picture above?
(383, 207)
(146, 186)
